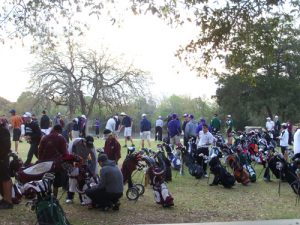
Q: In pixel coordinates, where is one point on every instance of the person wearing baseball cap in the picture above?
(110, 187)
(145, 131)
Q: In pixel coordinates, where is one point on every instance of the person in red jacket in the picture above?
(53, 147)
(112, 147)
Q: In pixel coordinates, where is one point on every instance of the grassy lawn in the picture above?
(195, 201)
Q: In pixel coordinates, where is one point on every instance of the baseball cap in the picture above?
(102, 157)
(191, 116)
(27, 114)
(185, 115)
(83, 116)
(12, 111)
(229, 116)
(143, 115)
(122, 114)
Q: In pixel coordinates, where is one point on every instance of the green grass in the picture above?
(195, 201)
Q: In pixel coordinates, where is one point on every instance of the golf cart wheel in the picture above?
(132, 193)
(141, 188)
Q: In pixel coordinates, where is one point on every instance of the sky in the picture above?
(146, 41)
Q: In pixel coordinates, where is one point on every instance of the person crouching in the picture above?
(110, 187)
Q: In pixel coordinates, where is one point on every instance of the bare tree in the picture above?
(82, 79)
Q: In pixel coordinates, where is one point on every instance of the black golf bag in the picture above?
(222, 176)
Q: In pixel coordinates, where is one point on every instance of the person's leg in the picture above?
(142, 143)
(98, 196)
(29, 155)
(148, 138)
(16, 146)
(7, 188)
(160, 133)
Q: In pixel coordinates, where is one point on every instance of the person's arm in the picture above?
(102, 180)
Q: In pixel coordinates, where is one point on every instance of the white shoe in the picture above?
(69, 201)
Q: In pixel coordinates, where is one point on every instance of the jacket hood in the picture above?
(109, 163)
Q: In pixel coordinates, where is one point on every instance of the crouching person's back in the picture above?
(110, 188)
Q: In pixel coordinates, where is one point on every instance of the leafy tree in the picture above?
(223, 25)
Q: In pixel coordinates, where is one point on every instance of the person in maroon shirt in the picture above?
(112, 147)
(53, 147)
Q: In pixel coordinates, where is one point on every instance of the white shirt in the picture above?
(284, 138)
(111, 124)
(205, 139)
(270, 125)
(159, 123)
(297, 142)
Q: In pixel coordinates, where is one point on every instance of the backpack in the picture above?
(49, 212)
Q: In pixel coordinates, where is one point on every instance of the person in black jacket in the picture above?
(33, 135)
(5, 180)
(45, 123)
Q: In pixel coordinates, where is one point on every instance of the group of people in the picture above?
(50, 144)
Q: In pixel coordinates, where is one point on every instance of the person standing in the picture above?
(270, 127)
(277, 127)
(229, 129)
(174, 130)
(112, 147)
(185, 121)
(5, 180)
(45, 123)
(82, 126)
(290, 130)
(58, 120)
(97, 127)
(159, 123)
(111, 124)
(215, 124)
(16, 122)
(297, 140)
(190, 128)
(53, 147)
(284, 140)
(75, 128)
(127, 123)
(205, 140)
(145, 130)
(33, 136)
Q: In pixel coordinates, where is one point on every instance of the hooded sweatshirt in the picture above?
(190, 128)
(111, 178)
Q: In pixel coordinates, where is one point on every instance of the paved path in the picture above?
(258, 222)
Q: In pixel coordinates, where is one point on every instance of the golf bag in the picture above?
(156, 175)
(173, 157)
(47, 208)
(240, 174)
(222, 176)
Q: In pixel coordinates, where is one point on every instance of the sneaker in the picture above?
(5, 205)
(69, 201)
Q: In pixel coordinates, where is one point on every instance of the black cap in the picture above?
(102, 157)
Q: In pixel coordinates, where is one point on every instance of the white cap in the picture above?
(159, 117)
(27, 114)
(276, 116)
(83, 116)
(229, 116)
(143, 115)
(268, 118)
(122, 114)
(58, 113)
